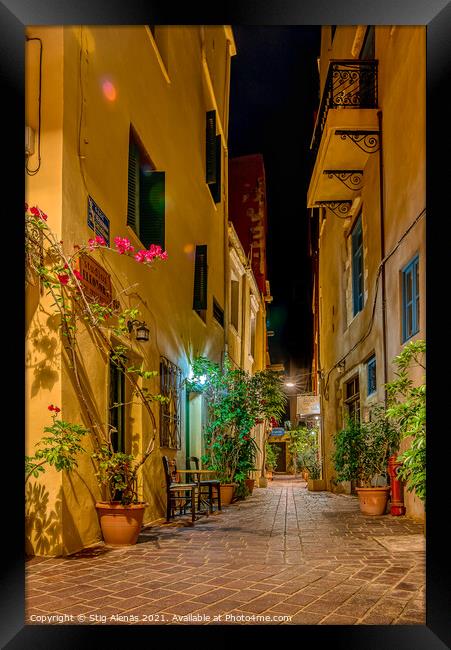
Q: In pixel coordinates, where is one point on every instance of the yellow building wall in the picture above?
(169, 117)
(401, 87)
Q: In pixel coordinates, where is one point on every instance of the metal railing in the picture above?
(349, 84)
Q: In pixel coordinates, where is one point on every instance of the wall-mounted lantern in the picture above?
(142, 332)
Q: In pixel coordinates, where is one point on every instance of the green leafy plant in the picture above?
(407, 412)
(58, 449)
(236, 403)
(312, 462)
(362, 449)
(272, 454)
(300, 440)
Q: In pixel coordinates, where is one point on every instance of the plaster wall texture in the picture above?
(400, 52)
(167, 109)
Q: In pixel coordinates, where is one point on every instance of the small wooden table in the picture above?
(199, 473)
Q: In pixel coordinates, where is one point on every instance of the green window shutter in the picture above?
(215, 188)
(210, 151)
(152, 208)
(200, 279)
(133, 187)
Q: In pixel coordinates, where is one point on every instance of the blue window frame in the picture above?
(410, 299)
(357, 267)
(371, 375)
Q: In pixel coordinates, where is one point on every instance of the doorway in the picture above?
(281, 457)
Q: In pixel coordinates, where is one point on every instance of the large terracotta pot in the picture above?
(250, 483)
(373, 501)
(227, 490)
(120, 524)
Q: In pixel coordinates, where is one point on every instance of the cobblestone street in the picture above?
(284, 551)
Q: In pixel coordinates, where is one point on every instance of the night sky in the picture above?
(273, 96)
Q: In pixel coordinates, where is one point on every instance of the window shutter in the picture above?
(133, 187)
(152, 208)
(215, 188)
(200, 279)
(210, 152)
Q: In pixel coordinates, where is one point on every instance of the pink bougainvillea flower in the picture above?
(164, 255)
(78, 275)
(63, 278)
(100, 240)
(123, 245)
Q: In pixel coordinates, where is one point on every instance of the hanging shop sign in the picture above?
(97, 220)
(95, 280)
(307, 405)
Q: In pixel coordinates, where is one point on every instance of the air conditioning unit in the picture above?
(29, 141)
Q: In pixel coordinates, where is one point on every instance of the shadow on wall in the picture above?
(41, 355)
(42, 525)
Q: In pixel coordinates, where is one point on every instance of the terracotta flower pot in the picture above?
(227, 490)
(250, 482)
(120, 524)
(373, 501)
(269, 474)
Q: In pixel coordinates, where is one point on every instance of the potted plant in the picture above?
(272, 453)
(313, 465)
(362, 450)
(407, 412)
(121, 513)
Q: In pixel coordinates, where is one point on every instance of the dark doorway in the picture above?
(282, 457)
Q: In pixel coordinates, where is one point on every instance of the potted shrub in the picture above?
(272, 453)
(407, 412)
(313, 466)
(362, 450)
(121, 514)
(236, 403)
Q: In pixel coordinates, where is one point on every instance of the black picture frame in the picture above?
(14, 16)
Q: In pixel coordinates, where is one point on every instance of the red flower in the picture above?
(78, 275)
(38, 213)
(63, 278)
(54, 408)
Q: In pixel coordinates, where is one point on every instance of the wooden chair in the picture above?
(206, 488)
(179, 495)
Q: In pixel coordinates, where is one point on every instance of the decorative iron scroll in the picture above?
(340, 208)
(367, 141)
(351, 178)
(170, 387)
(349, 84)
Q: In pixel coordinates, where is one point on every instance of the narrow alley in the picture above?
(283, 556)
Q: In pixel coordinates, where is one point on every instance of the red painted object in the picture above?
(397, 504)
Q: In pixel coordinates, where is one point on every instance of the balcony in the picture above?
(345, 133)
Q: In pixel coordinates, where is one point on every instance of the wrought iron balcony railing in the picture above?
(349, 84)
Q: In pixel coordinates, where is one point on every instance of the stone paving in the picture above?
(284, 553)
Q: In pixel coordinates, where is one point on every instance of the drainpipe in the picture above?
(382, 233)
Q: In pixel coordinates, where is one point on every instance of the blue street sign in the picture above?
(278, 431)
(97, 220)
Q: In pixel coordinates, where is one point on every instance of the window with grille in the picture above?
(117, 402)
(170, 387)
(146, 196)
(352, 398)
(410, 299)
(357, 266)
(371, 375)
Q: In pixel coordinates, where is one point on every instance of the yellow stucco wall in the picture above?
(169, 117)
(401, 86)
